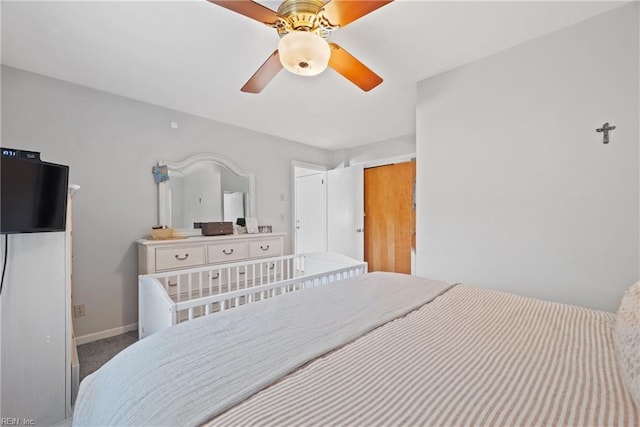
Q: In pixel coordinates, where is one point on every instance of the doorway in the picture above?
(390, 218)
(328, 210)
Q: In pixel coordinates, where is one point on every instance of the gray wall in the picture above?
(515, 189)
(111, 143)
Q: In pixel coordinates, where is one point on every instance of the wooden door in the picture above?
(390, 219)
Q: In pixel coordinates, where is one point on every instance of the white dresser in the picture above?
(155, 256)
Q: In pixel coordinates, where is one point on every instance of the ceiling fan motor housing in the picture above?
(301, 15)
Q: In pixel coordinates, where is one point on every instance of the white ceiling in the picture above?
(194, 56)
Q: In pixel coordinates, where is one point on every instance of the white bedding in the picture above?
(188, 374)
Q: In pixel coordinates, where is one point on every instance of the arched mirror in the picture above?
(204, 188)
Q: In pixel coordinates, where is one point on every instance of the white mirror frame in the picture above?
(163, 187)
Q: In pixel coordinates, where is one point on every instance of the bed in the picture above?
(379, 349)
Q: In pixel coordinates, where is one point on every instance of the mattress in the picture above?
(189, 373)
(471, 357)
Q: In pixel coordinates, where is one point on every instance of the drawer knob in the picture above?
(224, 251)
(264, 248)
(182, 258)
(215, 277)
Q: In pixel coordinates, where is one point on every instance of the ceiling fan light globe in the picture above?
(304, 53)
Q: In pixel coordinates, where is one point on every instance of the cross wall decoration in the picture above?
(605, 129)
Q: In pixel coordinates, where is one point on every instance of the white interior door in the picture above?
(311, 213)
(345, 207)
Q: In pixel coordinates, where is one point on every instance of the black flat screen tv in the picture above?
(33, 195)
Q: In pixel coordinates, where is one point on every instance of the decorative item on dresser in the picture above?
(163, 255)
(220, 228)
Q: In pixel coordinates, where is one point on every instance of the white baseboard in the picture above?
(106, 334)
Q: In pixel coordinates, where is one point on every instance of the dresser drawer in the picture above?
(264, 248)
(227, 252)
(179, 257)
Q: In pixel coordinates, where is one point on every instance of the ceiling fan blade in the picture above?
(352, 69)
(342, 12)
(264, 75)
(250, 9)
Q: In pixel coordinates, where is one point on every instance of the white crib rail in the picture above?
(172, 297)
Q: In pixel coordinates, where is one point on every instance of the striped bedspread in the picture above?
(190, 373)
(470, 357)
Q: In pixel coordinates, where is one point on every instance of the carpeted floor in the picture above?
(95, 354)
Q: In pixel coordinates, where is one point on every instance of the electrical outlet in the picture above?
(78, 310)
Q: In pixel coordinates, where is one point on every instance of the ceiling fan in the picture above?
(304, 27)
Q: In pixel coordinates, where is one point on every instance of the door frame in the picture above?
(386, 161)
(296, 164)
